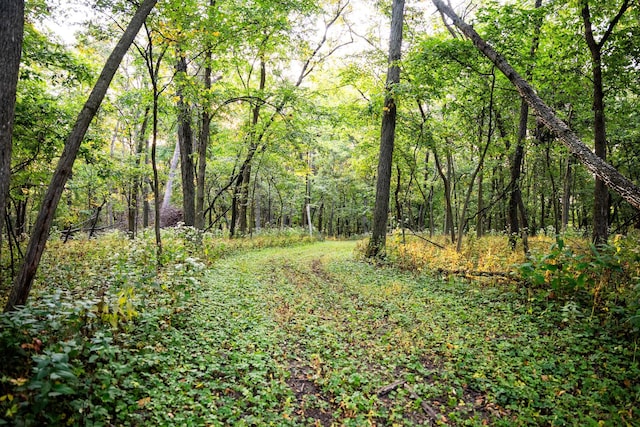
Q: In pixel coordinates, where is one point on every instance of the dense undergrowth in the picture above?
(565, 270)
(229, 332)
(94, 310)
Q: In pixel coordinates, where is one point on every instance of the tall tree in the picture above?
(515, 195)
(40, 233)
(387, 134)
(601, 193)
(11, 34)
(185, 139)
(205, 129)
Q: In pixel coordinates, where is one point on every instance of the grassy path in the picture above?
(308, 336)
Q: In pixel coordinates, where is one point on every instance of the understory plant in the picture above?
(96, 308)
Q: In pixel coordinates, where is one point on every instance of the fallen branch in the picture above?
(424, 405)
(426, 240)
(383, 391)
(503, 274)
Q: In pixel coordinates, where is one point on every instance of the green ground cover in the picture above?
(308, 334)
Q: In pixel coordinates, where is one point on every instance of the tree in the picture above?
(387, 135)
(185, 140)
(259, 129)
(11, 34)
(519, 223)
(602, 170)
(601, 194)
(23, 281)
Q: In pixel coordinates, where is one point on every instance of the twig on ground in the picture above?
(503, 274)
(425, 406)
(383, 391)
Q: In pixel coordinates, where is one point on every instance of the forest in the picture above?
(334, 212)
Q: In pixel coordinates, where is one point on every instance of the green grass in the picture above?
(295, 336)
(308, 335)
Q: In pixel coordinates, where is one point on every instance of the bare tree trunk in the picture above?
(601, 193)
(243, 188)
(40, 233)
(145, 189)
(602, 170)
(387, 136)
(566, 193)
(185, 139)
(11, 34)
(203, 140)
(137, 181)
(203, 143)
(396, 197)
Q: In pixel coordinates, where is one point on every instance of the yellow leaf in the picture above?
(17, 381)
(143, 402)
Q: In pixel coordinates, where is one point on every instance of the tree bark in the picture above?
(601, 193)
(11, 34)
(185, 139)
(387, 136)
(137, 181)
(598, 167)
(203, 143)
(40, 233)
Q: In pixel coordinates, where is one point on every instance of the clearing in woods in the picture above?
(307, 335)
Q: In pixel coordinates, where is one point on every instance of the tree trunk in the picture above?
(203, 143)
(387, 136)
(11, 34)
(602, 170)
(24, 279)
(185, 139)
(145, 189)
(515, 195)
(203, 140)
(601, 193)
(137, 181)
(396, 197)
(168, 189)
(566, 194)
(243, 190)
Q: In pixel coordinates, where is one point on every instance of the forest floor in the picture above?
(307, 335)
(282, 331)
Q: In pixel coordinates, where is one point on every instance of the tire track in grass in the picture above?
(307, 336)
(342, 344)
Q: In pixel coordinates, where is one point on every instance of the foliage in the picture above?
(271, 333)
(97, 308)
(491, 253)
(569, 271)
